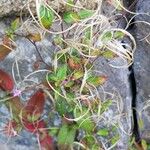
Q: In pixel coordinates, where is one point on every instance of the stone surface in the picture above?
(118, 88)
(142, 65)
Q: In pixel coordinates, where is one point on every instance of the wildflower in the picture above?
(16, 92)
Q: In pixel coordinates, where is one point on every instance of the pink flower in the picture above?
(16, 92)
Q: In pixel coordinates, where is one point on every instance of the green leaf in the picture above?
(108, 54)
(89, 141)
(63, 133)
(66, 135)
(62, 107)
(15, 24)
(144, 145)
(56, 95)
(115, 139)
(69, 84)
(10, 33)
(141, 123)
(87, 125)
(53, 131)
(107, 37)
(58, 40)
(95, 147)
(61, 58)
(32, 118)
(13, 27)
(119, 35)
(78, 74)
(71, 97)
(96, 80)
(46, 16)
(62, 72)
(52, 77)
(83, 14)
(95, 52)
(71, 17)
(103, 132)
(74, 52)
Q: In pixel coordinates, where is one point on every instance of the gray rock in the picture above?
(118, 87)
(142, 65)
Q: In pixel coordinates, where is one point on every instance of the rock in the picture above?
(142, 66)
(118, 88)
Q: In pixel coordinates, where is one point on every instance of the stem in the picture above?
(36, 48)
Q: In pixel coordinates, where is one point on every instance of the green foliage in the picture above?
(108, 54)
(144, 144)
(61, 73)
(140, 123)
(46, 16)
(96, 80)
(115, 139)
(72, 84)
(83, 14)
(103, 132)
(15, 24)
(78, 74)
(71, 17)
(66, 135)
(118, 35)
(58, 76)
(10, 32)
(90, 143)
(87, 125)
(107, 36)
(62, 107)
(53, 131)
(52, 77)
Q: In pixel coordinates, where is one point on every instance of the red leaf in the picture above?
(35, 105)
(34, 127)
(6, 82)
(46, 141)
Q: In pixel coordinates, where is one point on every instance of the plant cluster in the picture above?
(71, 83)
